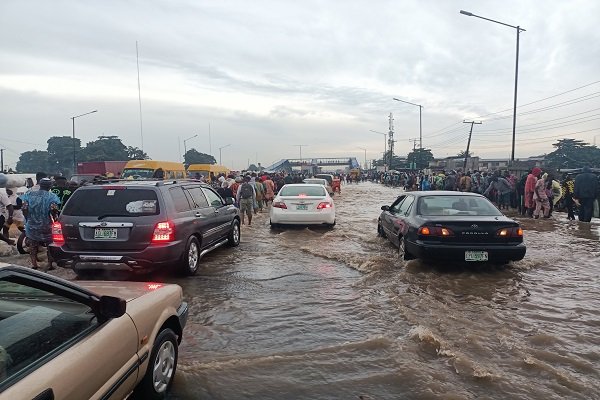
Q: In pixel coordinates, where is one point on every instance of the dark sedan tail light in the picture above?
(510, 232)
(435, 231)
(279, 204)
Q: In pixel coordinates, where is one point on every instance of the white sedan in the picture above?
(303, 204)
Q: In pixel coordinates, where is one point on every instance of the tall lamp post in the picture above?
(365, 150)
(420, 120)
(301, 161)
(420, 127)
(185, 147)
(384, 146)
(519, 30)
(221, 148)
(74, 152)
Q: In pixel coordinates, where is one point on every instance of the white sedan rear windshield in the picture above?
(456, 205)
(316, 191)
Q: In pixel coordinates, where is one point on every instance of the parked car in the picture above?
(319, 181)
(453, 226)
(143, 225)
(90, 340)
(302, 204)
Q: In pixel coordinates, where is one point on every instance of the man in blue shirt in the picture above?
(37, 208)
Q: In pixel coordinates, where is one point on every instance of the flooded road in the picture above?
(334, 314)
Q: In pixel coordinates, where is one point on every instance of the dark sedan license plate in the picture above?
(105, 233)
(302, 207)
(476, 255)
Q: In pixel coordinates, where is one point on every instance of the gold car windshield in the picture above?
(35, 323)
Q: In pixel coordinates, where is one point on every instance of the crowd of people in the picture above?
(535, 194)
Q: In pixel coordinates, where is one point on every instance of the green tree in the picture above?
(419, 158)
(573, 153)
(461, 154)
(193, 156)
(106, 148)
(60, 154)
(134, 153)
(33, 161)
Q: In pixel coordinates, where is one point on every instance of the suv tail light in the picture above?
(510, 232)
(324, 205)
(279, 204)
(57, 234)
(435, 231)
(163, 232)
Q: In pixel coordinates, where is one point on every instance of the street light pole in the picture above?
(221, 148)
(384, 146)
(420, 129)
(365, 150)
(185, 147)
(74, 153)
(301, 160)
(519, 30)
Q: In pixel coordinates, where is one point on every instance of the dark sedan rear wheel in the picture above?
(234, 235)
(191, 257)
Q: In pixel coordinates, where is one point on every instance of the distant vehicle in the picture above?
(143, 225)
(206, 169)
(101, 167)
(153, 169)
(452, 226)
(318, 181)
(87, 340)
(302, 204)
(81, 178)
(333, 182)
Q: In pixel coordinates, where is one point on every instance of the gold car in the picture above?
(86, 340)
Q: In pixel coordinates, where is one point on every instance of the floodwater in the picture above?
(314, 313)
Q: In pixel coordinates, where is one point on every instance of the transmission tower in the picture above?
(391, 139)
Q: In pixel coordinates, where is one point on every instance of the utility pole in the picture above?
(391, 139)
(2, 160)
(469, 142)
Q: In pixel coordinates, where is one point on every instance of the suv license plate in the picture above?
(476, 255)
(105, 233)
(302, 207)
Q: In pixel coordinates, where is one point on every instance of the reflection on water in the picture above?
(333, 313)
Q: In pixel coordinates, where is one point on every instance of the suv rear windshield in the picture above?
(127, 202)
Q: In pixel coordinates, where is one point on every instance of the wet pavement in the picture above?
(317, 313)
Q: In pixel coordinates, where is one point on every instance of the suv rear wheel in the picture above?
(191, 257)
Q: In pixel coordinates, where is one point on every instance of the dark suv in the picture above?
(143, 225)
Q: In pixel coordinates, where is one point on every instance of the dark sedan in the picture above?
(441, 225)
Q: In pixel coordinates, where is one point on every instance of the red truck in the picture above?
(89, 169)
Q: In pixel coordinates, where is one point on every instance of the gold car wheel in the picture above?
(164, 366)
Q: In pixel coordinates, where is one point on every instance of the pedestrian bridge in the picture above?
(315, 164)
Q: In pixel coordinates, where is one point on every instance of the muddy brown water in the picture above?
(314, 313)
(334, 314)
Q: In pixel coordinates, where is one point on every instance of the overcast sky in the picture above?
(268, 75)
